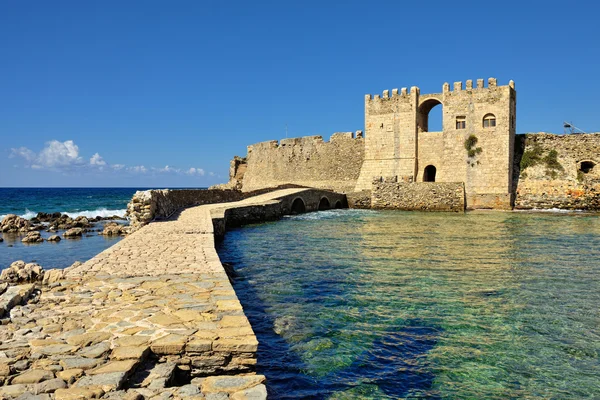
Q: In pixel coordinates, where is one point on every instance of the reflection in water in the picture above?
(364, 304)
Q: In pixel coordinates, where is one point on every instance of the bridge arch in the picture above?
(324, 204)
(298, 206)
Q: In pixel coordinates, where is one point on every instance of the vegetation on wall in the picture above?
(535, 156)
(472, 151)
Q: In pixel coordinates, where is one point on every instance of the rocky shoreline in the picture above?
(62, 226)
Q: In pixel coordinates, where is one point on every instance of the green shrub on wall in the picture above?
(472, 151)
(535, 156)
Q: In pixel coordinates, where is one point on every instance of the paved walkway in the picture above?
(150, 317)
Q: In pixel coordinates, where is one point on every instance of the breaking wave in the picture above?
(100, 212)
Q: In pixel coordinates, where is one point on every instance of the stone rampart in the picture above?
(557, 171)
(307, 161)
(387, 193)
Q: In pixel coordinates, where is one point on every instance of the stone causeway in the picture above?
(152, 317)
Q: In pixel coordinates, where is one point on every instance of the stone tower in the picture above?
(475, 145)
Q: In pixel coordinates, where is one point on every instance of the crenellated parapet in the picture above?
(314, 140)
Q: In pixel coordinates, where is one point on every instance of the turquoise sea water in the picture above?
(364, 304)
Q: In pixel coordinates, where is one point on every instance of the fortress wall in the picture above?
(565, 184)
(418, 196)
(307, 161)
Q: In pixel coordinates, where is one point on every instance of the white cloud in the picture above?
(140, 169)
(97, 160)
(64, 156)
(167, 169)
(195, 171)
(58, 155)
(24, 152)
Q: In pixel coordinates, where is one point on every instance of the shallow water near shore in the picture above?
(366, 304)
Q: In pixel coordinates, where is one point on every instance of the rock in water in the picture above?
(13, 223)
(114, 229)
(52, 276)
(20, 272)
(32, 237)
(73, 232)
(54, 238)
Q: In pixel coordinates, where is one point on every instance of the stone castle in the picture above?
(474, 161)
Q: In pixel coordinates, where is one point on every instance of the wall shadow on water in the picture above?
(388, 367)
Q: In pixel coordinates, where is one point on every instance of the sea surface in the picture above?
(352, 304)
(88, 202)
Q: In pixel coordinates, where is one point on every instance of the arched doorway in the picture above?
(338, 204)
(429, 174)
(430, 116)
(298, 206)
(324, 204)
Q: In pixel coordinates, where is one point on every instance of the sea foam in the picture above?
(100, 212)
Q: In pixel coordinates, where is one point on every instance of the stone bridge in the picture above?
(153, 315)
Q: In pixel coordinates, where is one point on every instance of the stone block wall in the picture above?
(160, 204)
(387, 193)
(307, 161)
(570, 182)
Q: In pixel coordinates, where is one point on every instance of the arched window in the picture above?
(489, 121)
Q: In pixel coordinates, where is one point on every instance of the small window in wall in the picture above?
(489, 121)
(461, 122)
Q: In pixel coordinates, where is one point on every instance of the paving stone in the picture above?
(80, 363)
(33, 376)
(11, 391)
(94, 351)
(125, 366)
(130, 352)
(230, 384)
(75, 393)
(70, 375)
(50, 386)
(88, 339)
(248, 344)
(136, 340)
(107, 382)
(198, 346)
(170, 344)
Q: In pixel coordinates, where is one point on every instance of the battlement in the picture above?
(305, 140)
(492, 83)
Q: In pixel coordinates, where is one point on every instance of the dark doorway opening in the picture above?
(338, 204)
(324, 204)
(587, 166)
(298, 206)
(429, 174)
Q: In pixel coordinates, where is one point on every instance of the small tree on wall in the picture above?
(472, 150)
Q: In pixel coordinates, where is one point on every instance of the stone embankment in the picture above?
(153, 317)
(389, 194)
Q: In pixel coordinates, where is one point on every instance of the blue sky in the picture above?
(164, 94)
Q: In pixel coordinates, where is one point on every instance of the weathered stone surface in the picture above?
(11, 391)
(50, 386)
(258, 392)
(125, 366)
(247, 344)
(75, 393)
(420, 196)
(73, 232)
(130, 353)
(230, 384)
(53, 275)
(89, 338)
(70, 375)
(94, 351)
(54, 238)
(21, 272)
(79, 363)
(198, 346)
(33, 376)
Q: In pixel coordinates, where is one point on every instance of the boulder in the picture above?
(54, 238)
(20, 272)
(47, 217)
(73, 232)
(114, 229)
(81, 222)
(14, 224)
(53, 276)
(32, 237)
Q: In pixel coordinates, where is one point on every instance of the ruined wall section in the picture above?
(307, 161)
(557, 171)
(388, 194)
